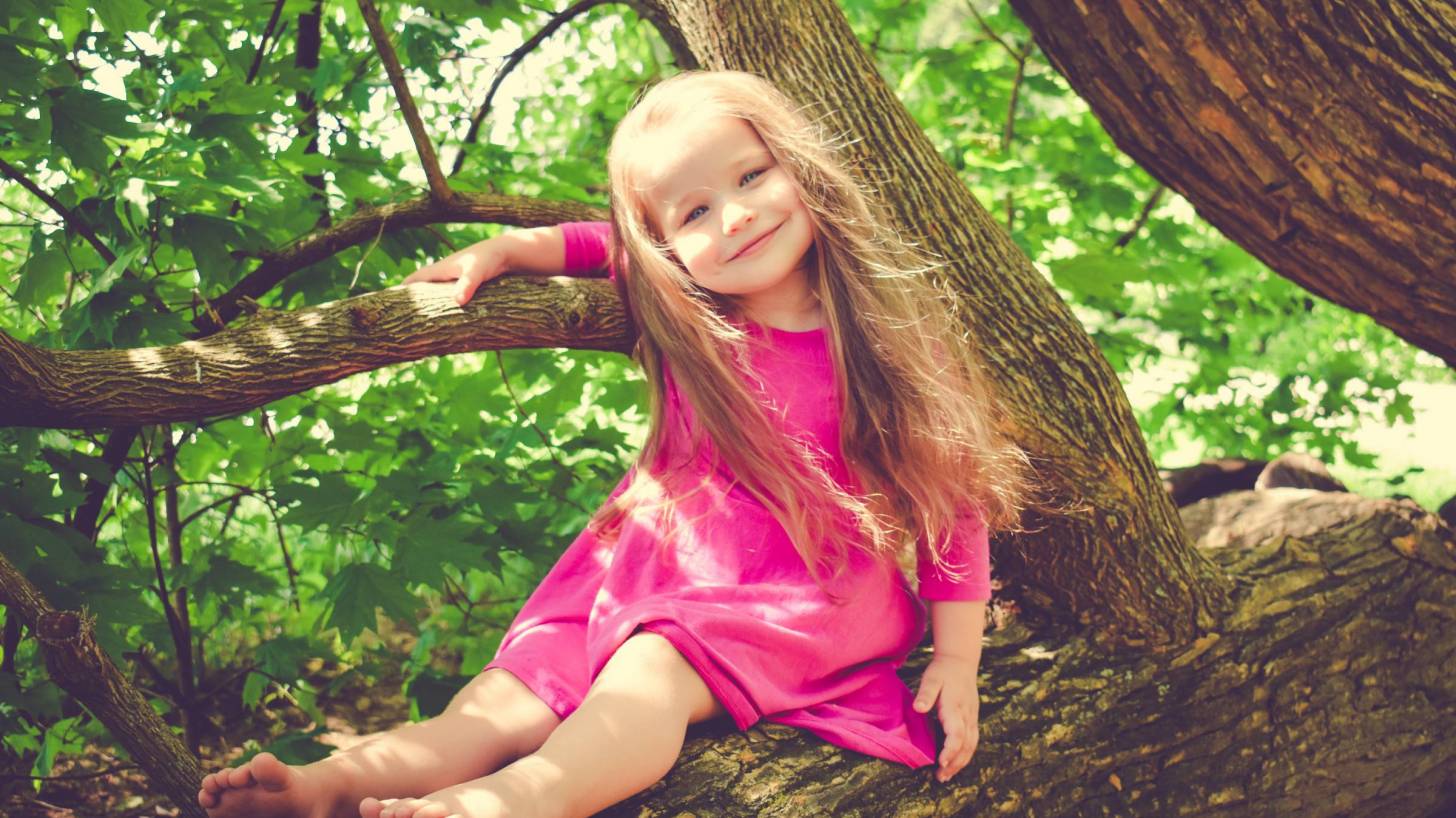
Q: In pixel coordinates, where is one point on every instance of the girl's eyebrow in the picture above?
(752, 158)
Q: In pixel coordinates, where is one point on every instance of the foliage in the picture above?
(426, 492)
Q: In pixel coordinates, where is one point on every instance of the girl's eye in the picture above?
(689, 217)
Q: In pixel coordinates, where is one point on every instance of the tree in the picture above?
(1126, 628)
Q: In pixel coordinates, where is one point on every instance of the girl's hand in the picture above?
(472, 267)
(952, 681)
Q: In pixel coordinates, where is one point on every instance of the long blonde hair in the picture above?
(920, 430)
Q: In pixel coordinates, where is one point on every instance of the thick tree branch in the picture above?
(1317, 139)
(369, 222)
(78, 664)
(275, 354)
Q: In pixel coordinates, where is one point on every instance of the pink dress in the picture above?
(735, 598)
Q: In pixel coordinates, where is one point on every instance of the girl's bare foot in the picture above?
(513, 791)
(267, 786)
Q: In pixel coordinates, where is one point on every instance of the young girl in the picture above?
(817, 420)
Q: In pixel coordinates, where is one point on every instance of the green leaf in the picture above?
(428, 545)
(333, 502)
(253, 687)
(81, 117)
(301, 747)
(42, 277)
(357, 591)
(121, 16)
(224, 577)
(1096, 274)
(210, 239)
(115, 269)
(430, 692)
(283, 657)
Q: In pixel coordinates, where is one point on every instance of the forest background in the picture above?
(423, 501)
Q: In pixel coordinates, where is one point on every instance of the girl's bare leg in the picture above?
(490, 722)
(625, 736)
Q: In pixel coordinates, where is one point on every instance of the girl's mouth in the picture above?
(757, 244)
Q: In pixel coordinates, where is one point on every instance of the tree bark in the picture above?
(77, 663)
(1327, 692)
(1316, 136)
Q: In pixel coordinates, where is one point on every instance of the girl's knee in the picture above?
(500, 698)
(651, 656)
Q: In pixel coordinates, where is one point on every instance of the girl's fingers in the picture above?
(926, 697)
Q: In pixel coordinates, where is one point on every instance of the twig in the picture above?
(512, 60)
(439, 190)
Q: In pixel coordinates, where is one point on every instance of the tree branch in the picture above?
(366, 223)
(276, 354)
(263, 42)
(439, 189)
(78, 664)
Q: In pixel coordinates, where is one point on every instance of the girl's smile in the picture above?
(757, 243)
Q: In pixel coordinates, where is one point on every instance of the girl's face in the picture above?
(732, 215)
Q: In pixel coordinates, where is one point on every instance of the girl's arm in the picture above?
(572, 249)
(587, 249)
(958, 606)
(969, 555)
(580, 249)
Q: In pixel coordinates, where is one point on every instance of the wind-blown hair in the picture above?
(920, 427)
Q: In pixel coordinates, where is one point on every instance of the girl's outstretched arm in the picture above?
(587, 250)
(572, 249)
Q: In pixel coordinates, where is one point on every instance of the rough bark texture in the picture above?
(1327, 692)
(275, 354)
(1318, 136)
(77, 663)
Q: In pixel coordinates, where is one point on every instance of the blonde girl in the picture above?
(818, 420)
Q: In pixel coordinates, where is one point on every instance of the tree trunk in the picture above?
(1089, 448)
(1316, 136)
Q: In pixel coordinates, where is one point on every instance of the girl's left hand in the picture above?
(952, 681)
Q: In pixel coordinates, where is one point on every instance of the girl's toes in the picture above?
(219, 780)
(268, 771)
(241, 777)
(206, 800)
(402, 808)
(373, 807)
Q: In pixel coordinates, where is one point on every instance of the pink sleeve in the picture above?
(587, 249)
(969, 555)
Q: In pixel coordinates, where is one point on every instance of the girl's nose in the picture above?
(735, 216)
